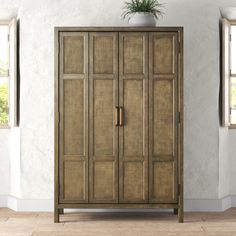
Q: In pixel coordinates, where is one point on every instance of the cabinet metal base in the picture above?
(60, 209)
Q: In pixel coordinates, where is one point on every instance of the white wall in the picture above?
(224, 163)
(4, 162)
(15, 163)
(232, 156)
(206, 159)
(200, 21)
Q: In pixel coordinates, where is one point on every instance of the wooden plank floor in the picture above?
(117, 224)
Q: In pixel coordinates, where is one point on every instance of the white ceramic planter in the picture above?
(142, 19)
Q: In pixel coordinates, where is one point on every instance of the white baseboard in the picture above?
(233, 201)
(3, 200)
(202, 205)
(221, 204)
(18, 204)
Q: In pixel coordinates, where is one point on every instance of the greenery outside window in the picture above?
(229, 73)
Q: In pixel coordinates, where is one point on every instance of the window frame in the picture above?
(7, 125)
(232, 125)
(226, 73)
(13, 90)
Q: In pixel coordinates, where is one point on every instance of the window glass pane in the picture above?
(4, 50)
(3, 100)
(233, 49)
(233, 100)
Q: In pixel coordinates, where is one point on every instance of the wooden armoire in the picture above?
(119, 118)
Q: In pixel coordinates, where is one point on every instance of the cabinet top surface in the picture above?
(116, 29)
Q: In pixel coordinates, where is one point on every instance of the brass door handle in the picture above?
(121, 116)
(117, 116)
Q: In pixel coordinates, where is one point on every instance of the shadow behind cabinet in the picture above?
(118, 118)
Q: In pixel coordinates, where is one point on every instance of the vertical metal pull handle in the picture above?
(121, 116)
(117, 116)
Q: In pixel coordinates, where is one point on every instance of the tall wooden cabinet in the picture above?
(118, 118)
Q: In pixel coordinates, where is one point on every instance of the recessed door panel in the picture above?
(103, 56)
(163, 124)
(133, 134)
(74, 54)
(133, 50)
(103, 94)
(74, 179)
(103, 117)
(74, 127)
(163, 180)
(134, 178)
(133, 91)
(163, 53)
(73, 117)
(163, 114)
(104, 180)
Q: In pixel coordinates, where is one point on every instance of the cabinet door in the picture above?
(103, 133)
(133, 134)
(73, 108)
(163, 117)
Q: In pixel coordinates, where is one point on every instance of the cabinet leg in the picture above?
(180, 215)
(56, 215)
(175, 211)
(61, 211)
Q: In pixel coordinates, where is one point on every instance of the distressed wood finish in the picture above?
(180, 173)
(103, 98)
(56, 126)
(73, 117)
(163, 115)
(133, 135)
(118, 118)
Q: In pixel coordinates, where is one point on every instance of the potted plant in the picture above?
(142, 12)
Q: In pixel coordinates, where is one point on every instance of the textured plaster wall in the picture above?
(200, 20)
(15, 162)
(224, 163)
(4, 162)
(232, 159)
(204, 170)
(10, 175)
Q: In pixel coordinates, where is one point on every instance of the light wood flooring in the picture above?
(117, 224)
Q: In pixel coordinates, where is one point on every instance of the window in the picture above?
(8, 74)
(233, 74)
(229, 73)
(4, 75)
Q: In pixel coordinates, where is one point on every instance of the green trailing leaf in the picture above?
(149, 6)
